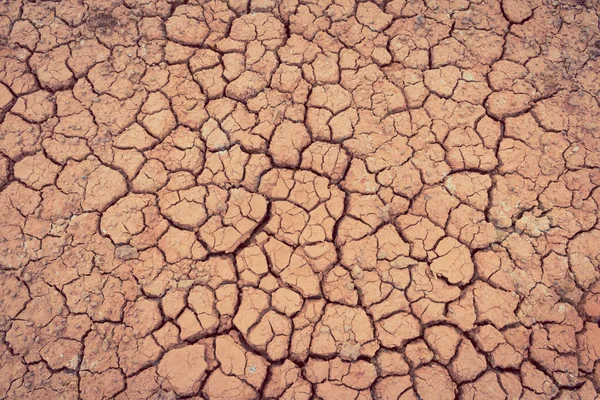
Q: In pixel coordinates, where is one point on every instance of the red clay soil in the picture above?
(299, 199)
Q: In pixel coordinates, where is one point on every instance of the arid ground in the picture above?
(299, 199)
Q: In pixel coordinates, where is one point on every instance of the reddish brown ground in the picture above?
(299, 199)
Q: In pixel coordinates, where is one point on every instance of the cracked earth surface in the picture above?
(299, 199)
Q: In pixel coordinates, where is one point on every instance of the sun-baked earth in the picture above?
(299, 199)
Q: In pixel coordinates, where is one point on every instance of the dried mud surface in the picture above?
(299, 199)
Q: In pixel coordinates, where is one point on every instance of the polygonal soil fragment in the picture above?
(331, 337)
(243, 212)
(183, 369)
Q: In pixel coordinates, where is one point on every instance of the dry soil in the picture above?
(299, 199)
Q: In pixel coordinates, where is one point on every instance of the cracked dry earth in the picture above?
(299, 199)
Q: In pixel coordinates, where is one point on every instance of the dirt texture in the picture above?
(299, 199)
